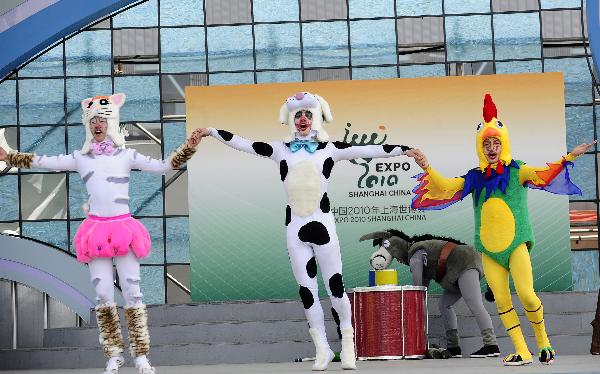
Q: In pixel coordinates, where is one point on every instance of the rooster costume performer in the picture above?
(110, 232)
(503, 232)
(305, 162)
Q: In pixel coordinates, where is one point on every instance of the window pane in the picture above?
(43, 140)
(79, 89)
(548, 4)
(145, 194)
(279, 76)
(54, 233)
(182, 50)
(517, 35)
(585, 270)
(43, 196)
(466, 6)
(153, 284)
(41, 101)
(373, 42)
(155, 228)
(76, 136)
(88, 53)
(280, 10)
(143, 98)
(178, 240)
(371, 8)
(469, 38)
(144, 14)
(9, 198)
(230, 48)
(231, 78)
(8, 99)
(418, 7)
(181, 12)
(580, 125)
(174, 136)
(277, 46)
(514, 67)
(50, 64)
(325, 44)
(374, 73)
(415, 71)
(77, 196)
(578, 81)
(583, 175)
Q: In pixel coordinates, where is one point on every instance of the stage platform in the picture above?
(579, 364)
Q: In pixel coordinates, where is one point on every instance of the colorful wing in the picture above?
(435, 191)
(552, 178)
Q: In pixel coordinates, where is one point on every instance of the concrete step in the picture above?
(198, 332)
(562, 344)
(226, 311)
(161, 355)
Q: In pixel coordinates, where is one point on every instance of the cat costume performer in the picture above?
(305, 164)
(503, 231)
(110, 233)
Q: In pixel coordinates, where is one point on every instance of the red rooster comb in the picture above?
(489, 108)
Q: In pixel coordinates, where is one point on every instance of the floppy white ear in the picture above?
(118, 99)
(325, 109)
(283, 114)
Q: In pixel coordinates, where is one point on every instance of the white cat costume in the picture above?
(305, 165)
(110, 232)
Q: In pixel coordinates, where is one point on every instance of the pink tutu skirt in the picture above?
(110, 237)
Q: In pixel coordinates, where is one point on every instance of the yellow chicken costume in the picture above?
(503, 231)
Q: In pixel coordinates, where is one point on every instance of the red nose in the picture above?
(299, 96)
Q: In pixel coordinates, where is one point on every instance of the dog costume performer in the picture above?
(503, 231)
(110, 232)
(454, 265)
(305, 165)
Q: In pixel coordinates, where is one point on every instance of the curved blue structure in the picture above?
(49, 22)
(593, 27)
(49, 270)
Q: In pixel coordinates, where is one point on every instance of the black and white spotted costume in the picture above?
(310, 226)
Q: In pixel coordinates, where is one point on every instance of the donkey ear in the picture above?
(376, 235)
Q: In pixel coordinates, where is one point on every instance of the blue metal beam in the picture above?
(39, 31)
(593, 27)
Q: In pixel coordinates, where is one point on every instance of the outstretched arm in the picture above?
(176, 160)
(434, 191)
(554, 177)
(31, 160)
(345, 151)
(241, 144)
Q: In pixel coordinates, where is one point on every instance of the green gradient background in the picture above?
(237, 232)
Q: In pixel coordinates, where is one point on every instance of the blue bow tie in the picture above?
(309, 145)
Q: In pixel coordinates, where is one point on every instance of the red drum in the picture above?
(414, 312)
(389, 322)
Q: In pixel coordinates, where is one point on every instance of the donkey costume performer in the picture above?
(454, 265)
(305, 162)
(503, 231)
(110, 232)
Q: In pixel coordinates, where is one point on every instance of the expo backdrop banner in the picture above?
(237, 202)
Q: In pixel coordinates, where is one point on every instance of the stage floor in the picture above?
(581, 364)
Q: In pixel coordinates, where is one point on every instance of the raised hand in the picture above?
(582, 148)
(195, 138)
(419, 157)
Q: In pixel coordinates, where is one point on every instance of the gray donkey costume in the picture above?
(454, 265)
